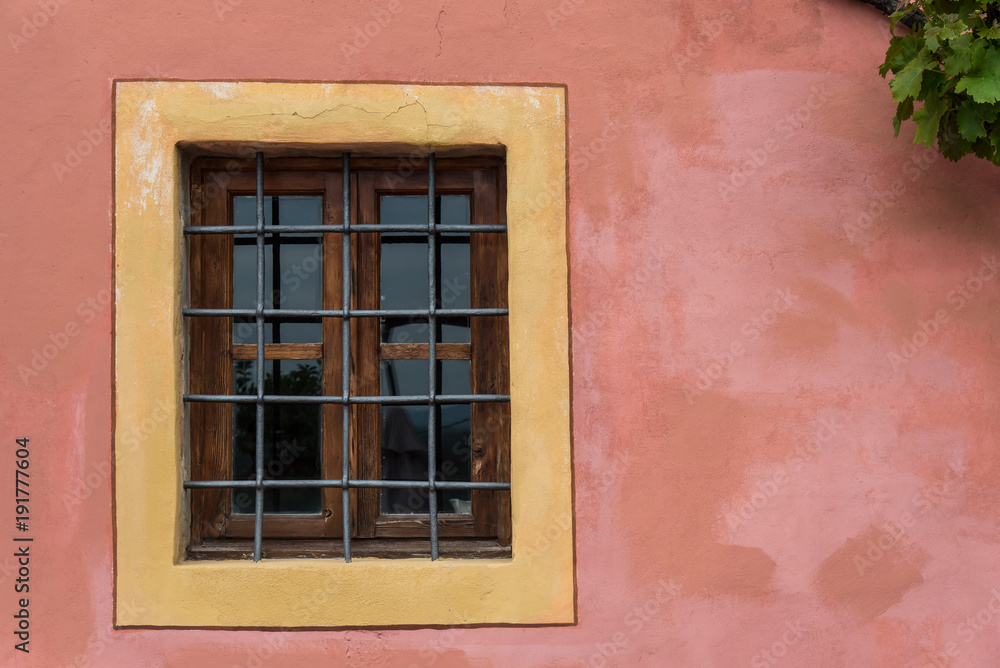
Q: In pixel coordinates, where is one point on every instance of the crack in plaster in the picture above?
(437, 27)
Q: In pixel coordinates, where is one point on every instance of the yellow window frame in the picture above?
(155, 586)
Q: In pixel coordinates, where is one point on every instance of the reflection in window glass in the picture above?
(404, 267)
(404, 436)
(291, 435)
(293, 268)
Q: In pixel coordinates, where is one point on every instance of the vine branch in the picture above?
(889, 7)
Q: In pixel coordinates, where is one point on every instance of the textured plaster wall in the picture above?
(784, 353)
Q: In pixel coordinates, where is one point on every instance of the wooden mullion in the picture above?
(420, 351)
(490, 422)
(288, 183)
(332, 414)
(399, 548)
(445, 181)
(419, 525)
(279, 526)
(279, 351)
(211, 369)
(366, 421)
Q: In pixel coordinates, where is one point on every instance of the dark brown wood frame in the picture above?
(217, 532)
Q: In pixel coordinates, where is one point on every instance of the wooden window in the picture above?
(388, 356)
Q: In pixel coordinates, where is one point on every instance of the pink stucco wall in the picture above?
(786, 362)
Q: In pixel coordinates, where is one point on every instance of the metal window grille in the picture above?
(432, 399)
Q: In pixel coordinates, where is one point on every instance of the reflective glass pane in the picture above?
(404, 279)
(293, 268)
(292, 449)
(414, 330)
(404, 436)
(404, 274)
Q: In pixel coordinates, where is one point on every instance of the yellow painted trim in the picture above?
(154, 585)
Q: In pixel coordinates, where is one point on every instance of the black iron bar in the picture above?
(407, 400)
(388, 484)
(345, 359)
(258, 519)
(328, 229)
(337, 313)
(432, 261)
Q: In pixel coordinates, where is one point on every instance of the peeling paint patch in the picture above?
(221, 89)
(147, 169)
(871, 572)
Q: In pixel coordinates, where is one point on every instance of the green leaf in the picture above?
(901, 51)
(899, 16)
(903, 112)
(984, 83)
(906, 83)
(947, 76)
(928, 118)
(971, 117)
(960, 59)
(934, 83)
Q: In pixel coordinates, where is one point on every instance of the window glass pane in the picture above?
(404, 267)
(293, 268)
(403, 210)
(292, 449)
(453, 278)
(404, 273)
(414, 330)
(404, 436)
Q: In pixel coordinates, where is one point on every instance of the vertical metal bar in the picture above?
(258, 518)
(345, 361)
(275, 301)
(432, 357)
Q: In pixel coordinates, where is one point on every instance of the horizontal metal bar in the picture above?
(408, 400)
(329, 229)
(382, 484)
(327, 313)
